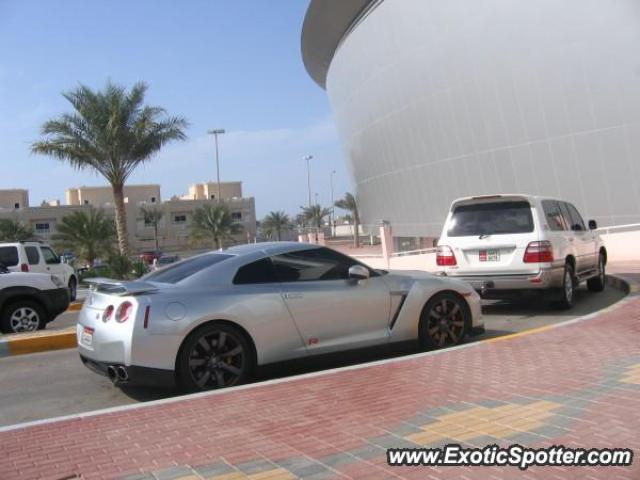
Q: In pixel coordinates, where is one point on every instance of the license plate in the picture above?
(489, 255)
(86, 338)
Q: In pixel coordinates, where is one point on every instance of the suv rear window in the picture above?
(491, 219)
(181, 270)
(9, 256)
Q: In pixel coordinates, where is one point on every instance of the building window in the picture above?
(16, 205)
(42, 228)
(179, 219)
(236, 215)
(212, 197)
(153, 199)
(86, 202)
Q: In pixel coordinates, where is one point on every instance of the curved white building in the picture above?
(437, 99)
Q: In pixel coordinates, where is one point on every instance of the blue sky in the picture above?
(232, 64)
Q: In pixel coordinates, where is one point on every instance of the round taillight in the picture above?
(123, 312)
(106, 316)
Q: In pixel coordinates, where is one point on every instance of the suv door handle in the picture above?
(290, 295)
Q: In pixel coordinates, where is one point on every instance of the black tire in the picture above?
(73, 289)
(444, 321)
(596, 284)
(205, 363)
(568, 290)
(22, 316)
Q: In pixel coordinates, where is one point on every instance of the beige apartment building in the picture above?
(15, 198)
(173, 228)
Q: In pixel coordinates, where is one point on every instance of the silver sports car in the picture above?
(207, 321)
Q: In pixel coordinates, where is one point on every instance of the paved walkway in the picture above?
(576, 385)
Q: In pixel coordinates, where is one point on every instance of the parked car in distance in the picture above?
(509, 244)
(167, 260)
(150, 256)
(28, 301)
(38, 257)
(207, 321)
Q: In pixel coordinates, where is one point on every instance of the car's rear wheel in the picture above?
(567, 292)
(22, 316)
(215, 356)
(596, 284)
(444, 321)
(73, 289)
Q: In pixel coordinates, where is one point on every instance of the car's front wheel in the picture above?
(212, 357)
(22, 316)
(444, 321)
(73, 289)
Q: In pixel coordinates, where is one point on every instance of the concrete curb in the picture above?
(21, 344)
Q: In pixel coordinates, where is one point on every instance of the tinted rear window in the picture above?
(184, 269)
(9, 256)
(491, 219)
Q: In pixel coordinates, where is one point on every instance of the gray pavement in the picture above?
(52, 384)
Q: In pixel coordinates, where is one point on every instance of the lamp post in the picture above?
(332, 218)
(308, 159)
(215, 133)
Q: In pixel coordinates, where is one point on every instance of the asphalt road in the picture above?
(52, 384)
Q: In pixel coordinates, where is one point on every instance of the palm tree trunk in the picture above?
(155, 231)
(278, 234)
(356, 232)
(121, 219)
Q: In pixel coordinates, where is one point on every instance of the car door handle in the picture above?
(290, 295)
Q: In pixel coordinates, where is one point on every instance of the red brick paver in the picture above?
(574, 385)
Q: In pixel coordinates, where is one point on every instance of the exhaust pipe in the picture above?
(123, 376)
(112, 374)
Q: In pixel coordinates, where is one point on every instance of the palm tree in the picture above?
(111, 132)
(90, 234)
(152, 217)
(275, 223)
(315, 214)
(349, 203)
(213, 222)
(13, 230)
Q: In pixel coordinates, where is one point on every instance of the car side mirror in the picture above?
(358, 272)
(593, 225)
(3, 268)
(576, 228)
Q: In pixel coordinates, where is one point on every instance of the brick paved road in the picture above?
(577, 385)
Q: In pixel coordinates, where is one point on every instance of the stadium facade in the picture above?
(437, 99)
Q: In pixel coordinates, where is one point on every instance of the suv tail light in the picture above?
(538, 252)
(123, 312)
(24, 268)
(445, 256)
(106, 316)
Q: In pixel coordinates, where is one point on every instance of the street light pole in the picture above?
(215, 133)
(308, 159)
(333, 220)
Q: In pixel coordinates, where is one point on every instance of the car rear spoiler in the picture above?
(120, 287)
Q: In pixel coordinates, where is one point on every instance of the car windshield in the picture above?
(179, 271)
(491, 219)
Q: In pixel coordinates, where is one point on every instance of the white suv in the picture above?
(506, 244)
(38, 257)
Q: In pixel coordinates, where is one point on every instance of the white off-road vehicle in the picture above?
(38, 257)
(28, 301)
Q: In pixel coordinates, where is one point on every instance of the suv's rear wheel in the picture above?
(22, 316)
(568, 289)
(444, 321)
(596, 284)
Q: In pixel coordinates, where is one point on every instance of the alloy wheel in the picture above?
(218, 359)
(445, 322)
(568, 286)
(24, 319)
